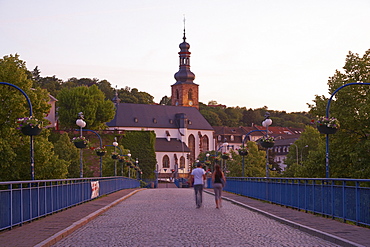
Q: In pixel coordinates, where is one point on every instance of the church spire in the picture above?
(184, 91)
(184, 75)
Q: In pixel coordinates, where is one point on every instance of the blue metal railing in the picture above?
(347, 199)
(23, 201)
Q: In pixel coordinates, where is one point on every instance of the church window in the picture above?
(166, 162)
(191, 145)
(177, 94)
(182, 162)
(205, 143)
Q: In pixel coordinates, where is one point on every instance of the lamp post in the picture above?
(207, 158)
(327, 170)
(266, 123)
(32, 152)
(81, 123)
(101, 145)
(137, 167)
(129, 170)
(243, 145)
(302, 153)
(296, 150)
(115, 144)
(225, 145)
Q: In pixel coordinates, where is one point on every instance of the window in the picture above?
(205, 143)
(231, 138)
(182, 162)
(191, 145)
(166, 162)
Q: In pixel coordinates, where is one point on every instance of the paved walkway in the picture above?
(167, 217)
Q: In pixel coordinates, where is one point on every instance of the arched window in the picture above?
(177, 94)
(205, 143)
(191, 145)
(166, 162)
(182, 162)
(190, 94)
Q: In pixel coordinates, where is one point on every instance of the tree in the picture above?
(106, 88)
(255, 161)
(165, 100)
(349, 147)
(128, 95)
(66, 150)
(52, 84)
(313, 156)
(89, 100)
(211, 117)
(14, 148)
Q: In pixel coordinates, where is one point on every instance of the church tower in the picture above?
(185, 91)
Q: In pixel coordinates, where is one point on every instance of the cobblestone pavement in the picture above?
(168, 217)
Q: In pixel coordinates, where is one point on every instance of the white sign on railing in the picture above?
(94, 189)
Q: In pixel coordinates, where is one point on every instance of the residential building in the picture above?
(235, 136)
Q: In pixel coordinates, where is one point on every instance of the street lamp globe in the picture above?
(81, 123)
(267, 122)
(115, 144)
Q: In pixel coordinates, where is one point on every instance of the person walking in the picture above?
(198, 176)
(218, 182)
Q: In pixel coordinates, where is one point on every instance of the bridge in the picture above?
(166, 216)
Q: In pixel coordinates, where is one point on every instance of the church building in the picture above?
(182, 133)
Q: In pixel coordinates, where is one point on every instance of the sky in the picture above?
(246, 53)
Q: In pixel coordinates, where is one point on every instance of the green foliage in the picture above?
(306, 157)
(349, 147)
(141, 144)
(165, 101)
(89, 100)
(254, 162)
(52, 84)
(47, 164)
(240, 116)
(66, 150)
(128, 95)
(14, 148)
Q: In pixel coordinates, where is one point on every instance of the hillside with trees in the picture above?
(216, 114)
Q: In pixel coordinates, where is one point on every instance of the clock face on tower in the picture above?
(190, 102)
(177, 103)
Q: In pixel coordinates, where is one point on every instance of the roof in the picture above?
(174, 145)
(285, 142)
(157, 116)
